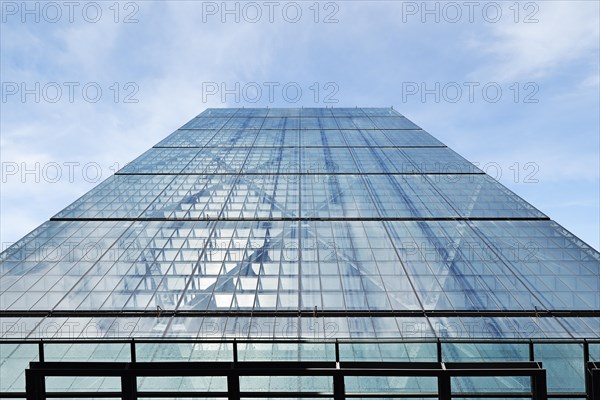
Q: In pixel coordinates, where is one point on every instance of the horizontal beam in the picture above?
(298, 146)
(298, 173)
(301, 313)
(284, 368)
(308, 219)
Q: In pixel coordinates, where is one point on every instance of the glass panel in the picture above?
(219, 112)
(316, 112)
(477, 195)
(393, 123)
(513, 384)
(564, 366)
(182, 383)
(205, 123)
(87, 352)
(376, 384)
(286, 351)
(184, 352)
(14, 359)
(286, 383)
(381, 112)
(160, 160)
(485, 352)
(407, 137)
(388, 352)
(83, 384)
(188, 138)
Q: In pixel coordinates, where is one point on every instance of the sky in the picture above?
(89, 86)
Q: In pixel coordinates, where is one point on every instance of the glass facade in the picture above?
(309, 224)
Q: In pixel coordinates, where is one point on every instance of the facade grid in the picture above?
(289, 229)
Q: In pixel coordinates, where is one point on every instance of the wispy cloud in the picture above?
(170, 52)
(565, 33)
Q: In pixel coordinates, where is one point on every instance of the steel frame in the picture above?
(337, 370)
(130, 371)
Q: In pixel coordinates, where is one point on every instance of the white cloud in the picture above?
(566, 32)
(170, 52)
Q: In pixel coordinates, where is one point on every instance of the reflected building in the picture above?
(300, 253)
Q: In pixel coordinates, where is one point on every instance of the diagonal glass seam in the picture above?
(141, 257)
(336, 189)
(452, 254)
(245, 264)
(325, 203)
(14, 270)
(578, 243)
(182, 183)
(426, 229)
(445, 255)
(212, 233)
(374, 200)
(151, 265)
(17, 247)
(219, 161)
(492, 246)
(441, 194)
(174, 134)
(93, 264)
(256, 254)
(191, 159)
(370, 191)
(533, 284)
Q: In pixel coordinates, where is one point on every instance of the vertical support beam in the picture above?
(128, 385)
(339, 389)
(235, 351)
(41, 356)
(439, 350)
(35, 385)
(586, 360)
(444, 385)
(594, 373)
(531, 351)
(539, 388)
(132, 350)
(233, 385)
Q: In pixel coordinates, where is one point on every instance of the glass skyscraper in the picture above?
(300, 253)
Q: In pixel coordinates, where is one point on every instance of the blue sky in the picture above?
(441, 67)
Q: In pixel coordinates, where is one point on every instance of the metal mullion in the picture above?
(300, 224)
